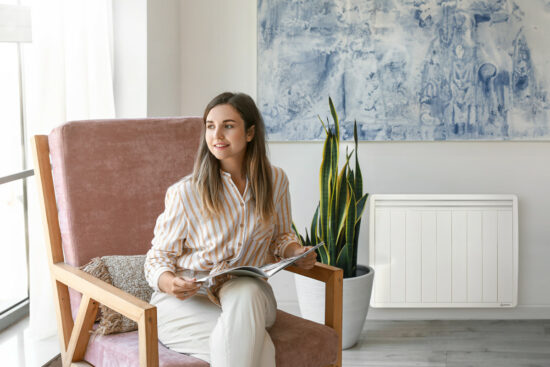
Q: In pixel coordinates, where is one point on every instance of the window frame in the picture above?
(20, 309)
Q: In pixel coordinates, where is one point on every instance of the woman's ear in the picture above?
(250, 133)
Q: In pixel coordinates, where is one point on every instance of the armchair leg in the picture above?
(81, 330)
(64, 318)
(148, 339)
(333, 308)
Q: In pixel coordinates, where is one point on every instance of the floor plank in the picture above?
(449, 343)
(500, 359)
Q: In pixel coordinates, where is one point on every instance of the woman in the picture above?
(234, 209)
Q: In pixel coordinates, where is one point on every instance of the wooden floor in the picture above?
(514, 343)
(461, 343)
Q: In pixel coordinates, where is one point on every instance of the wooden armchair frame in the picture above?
(74, 335)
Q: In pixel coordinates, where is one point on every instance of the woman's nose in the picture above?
(218, 132)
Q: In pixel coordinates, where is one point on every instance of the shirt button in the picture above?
(241, 225)
(240, 243)
(242, 204)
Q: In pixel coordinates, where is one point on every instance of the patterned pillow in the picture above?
(123, 272)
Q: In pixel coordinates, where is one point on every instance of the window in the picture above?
(14, 280)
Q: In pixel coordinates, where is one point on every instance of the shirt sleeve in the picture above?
(283, 234)
(169, 236)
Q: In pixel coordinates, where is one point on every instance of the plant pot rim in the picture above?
(370, 271)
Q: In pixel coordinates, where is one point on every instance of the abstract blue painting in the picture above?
(405, 69)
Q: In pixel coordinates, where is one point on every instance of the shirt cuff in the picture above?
(154, 278)
(282, 249)
(285, 241)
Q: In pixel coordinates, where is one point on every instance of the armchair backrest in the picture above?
(110, 178)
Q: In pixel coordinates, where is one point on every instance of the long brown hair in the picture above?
(206, 172)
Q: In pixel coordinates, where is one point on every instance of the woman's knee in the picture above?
(245, 289)
(247, 296)
(246, 286)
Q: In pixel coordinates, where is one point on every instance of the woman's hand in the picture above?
(306, 262)
(179, 287)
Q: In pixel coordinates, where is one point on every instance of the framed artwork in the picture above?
(405, 69)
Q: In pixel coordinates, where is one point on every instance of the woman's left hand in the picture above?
(306, 262)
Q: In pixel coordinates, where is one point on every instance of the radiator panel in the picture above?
(444, 250)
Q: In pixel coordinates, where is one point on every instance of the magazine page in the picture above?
(265, 271)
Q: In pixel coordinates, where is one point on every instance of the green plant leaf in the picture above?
(343, 207)
(350, 221)
(331, 241)
(323, 254)
(323, 123)
(351, 234)
(342, 201)
(335, 146)
(324, 188)
(335, 118)
(355, 242)
(341, 240)
(344, 260)
(360, 207)
(331, 215)
(315, 226)
(358, 183)
(351, 178)
(333, 226)
(300, 238)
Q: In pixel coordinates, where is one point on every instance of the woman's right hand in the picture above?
(179, 287)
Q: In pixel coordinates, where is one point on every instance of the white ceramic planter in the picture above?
(356, 298)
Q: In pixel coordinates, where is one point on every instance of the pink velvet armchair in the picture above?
(101, 185)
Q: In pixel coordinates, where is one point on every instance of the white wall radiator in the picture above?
(444, 250)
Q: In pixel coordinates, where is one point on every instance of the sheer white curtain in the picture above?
(68, 75)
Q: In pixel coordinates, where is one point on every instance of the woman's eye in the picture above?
(228, 126)
(209, 126)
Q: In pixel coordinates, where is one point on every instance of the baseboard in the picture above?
(14, 314)
(526, 312)
(54, 362)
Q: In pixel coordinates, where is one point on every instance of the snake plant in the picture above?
(338, 216)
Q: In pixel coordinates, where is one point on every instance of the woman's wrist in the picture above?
(165, 280)
(291, 249)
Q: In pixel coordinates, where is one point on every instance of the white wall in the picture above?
(218, 51)
(130, 57)
(147, 58)
(218, 45)
(163, 58)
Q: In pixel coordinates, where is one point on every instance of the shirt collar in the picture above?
(227, 175)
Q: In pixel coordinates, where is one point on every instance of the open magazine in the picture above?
(265, 271)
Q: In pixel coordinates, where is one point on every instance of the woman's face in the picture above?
(225, 135)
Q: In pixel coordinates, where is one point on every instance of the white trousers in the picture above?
(231, 336)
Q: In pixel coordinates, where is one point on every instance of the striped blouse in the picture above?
(186, 240)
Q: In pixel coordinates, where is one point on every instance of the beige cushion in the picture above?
(123, 272)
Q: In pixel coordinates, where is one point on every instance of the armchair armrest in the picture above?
(96, 291)
(333, 279)
(319, 271)
(102, 292)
